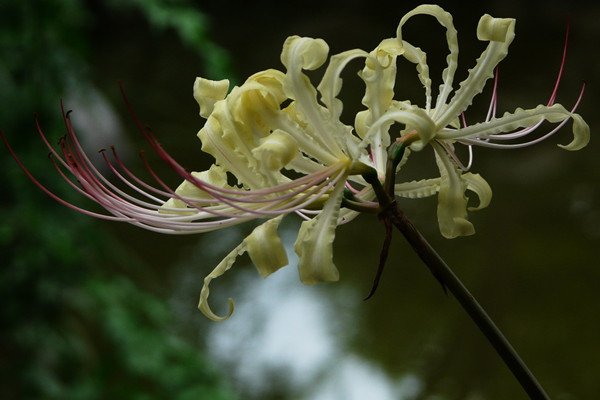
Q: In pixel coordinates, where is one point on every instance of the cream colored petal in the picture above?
(581, 134)
(266, 252)
(314, 244)
(207, 93)
(219, 270)
(452, 202)
(413, 118)
(418, 189)
(239, 124)
(331, 84)
(230, 143)
(500, 33)
(479, 186)
(276, 150)
(492, 29)
(293, 122)
(304, 53)
(524, 118)
(215, 176)
(379, 75)
(265, 248)
(418, 57)
(320, 126)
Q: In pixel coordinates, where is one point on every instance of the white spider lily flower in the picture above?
(280, 148)
(441, 119)
(277, 151)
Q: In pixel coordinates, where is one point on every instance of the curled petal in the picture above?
(500, 33)
(266, 252)
(326, 131)
(219, 270)
(276, 150)
(492, 29)
(331, 84)
(207, 93)
(379, 75)
(429, 187)
(416, 56)
(314, 244)
(303, 52)
(413, 118)
(239, 123)
(479, 186)
(222, 137)
(362, 122)
(581, 134)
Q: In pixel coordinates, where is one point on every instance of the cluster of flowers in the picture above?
(280, 148)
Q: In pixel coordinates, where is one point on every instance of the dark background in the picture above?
(531, 263)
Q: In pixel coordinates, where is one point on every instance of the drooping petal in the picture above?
(429, 187)
(314, 244)
(266, 252)
(452, 202)
(224, 266)
(581, 134)
(265, 248)
(479, 186)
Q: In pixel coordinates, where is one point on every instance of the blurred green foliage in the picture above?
(73, 327)
(190, 25)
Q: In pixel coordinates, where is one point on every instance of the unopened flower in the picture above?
(280, 148)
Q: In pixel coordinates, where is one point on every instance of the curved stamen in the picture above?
(562, 63)
(494, 101)
(508, 136)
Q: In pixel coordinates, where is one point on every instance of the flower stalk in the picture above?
(391, 214)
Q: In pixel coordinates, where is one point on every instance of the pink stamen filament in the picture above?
(487, 141)
(523, 132)
(291, 196)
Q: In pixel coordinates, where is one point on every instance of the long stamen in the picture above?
(224, 208)
(519, 134)
(494, 101)
(562, 63)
